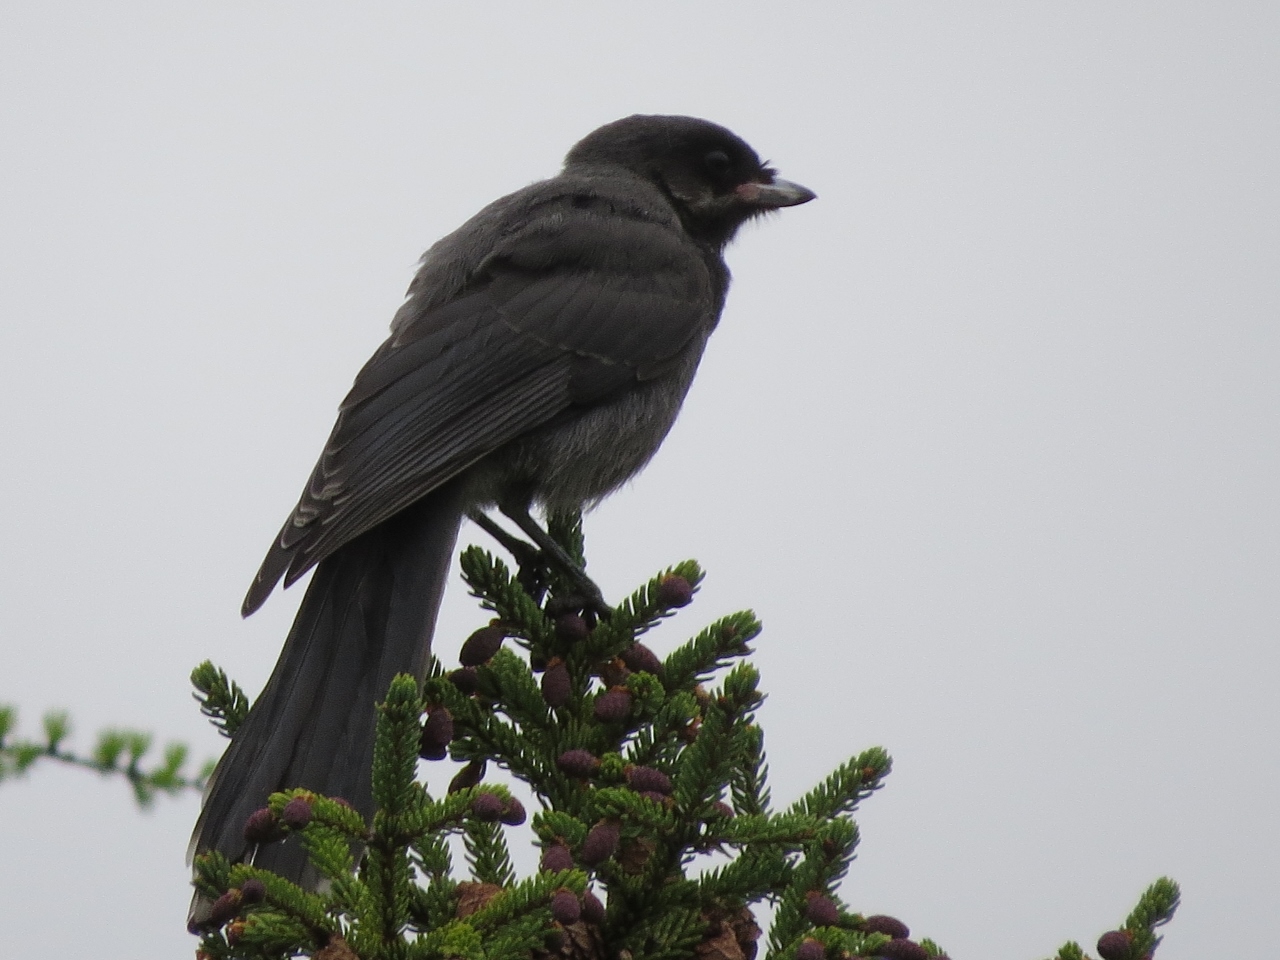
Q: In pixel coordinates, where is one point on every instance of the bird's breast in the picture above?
(591, 449)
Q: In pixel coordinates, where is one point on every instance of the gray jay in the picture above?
(540, 357)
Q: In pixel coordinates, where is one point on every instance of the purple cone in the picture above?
(613, 706)
(262, 827)
(1114, 945)
(556, 686)
(579, 764)
(592, 908)
(296, 813)
(674, 591)
(556, 859)
(889, 926)
(601, 843)
(903, 950)
(565, 907)
(437, 734)
(481, 646)
(487, 807)
(648, 780)
(571, 627)
(821, 910)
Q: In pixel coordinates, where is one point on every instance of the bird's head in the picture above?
(714, 179)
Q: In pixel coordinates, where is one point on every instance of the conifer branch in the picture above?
(631, 759)
(220, 698)
(116, 753)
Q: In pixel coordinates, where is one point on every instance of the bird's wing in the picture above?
(571, 308)
(624, 291)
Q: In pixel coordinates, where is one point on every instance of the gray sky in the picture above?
(987, 435)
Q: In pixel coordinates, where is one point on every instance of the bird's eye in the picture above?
(717, 162)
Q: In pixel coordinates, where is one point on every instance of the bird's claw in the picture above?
(535, 560)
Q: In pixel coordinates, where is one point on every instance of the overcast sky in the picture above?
(987, 436)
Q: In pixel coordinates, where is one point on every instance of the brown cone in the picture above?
(336, 949)
(472, 896)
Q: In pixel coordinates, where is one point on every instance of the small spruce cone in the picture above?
(225, 908)
(513, 813)
(468, 776)
(572, 628)
(674, 591)
(889, 926)
(722, 809)
(577, 763)
(648, 780)
(481, 646)
(487, 807)
(556, 859)
(659, 798)
(565, 907)
(613, 706)
(252, 891)
(262, 827)
(811, 949)
(903, 950)
(640, 659)
(466, 680)
(296, 813)
(556, 686)
(1115, 945)
(592, 908)
(437, 734)
(601, 843)
(821, 910)
(234, 931)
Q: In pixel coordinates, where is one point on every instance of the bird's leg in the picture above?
(524, 553)
(557, 556)
(529, 559)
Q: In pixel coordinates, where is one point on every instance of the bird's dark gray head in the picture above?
(712, 176)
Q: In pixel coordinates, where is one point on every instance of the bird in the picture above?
(541, 355)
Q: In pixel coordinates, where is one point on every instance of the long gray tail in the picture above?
(368, 614)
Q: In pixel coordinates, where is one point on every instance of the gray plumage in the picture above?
(541, 356)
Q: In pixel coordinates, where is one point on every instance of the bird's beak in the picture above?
(780, 193)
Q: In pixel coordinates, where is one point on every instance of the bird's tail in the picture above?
(368, 614)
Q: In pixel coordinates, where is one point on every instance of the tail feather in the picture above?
(368, 614)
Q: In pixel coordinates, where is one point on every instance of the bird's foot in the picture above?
(536, 559)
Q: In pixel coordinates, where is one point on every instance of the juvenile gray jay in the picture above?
(540, 357)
